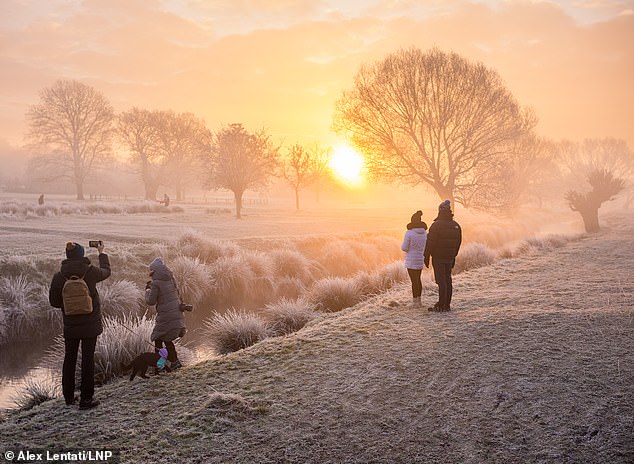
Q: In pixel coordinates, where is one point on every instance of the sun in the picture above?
(347, 165)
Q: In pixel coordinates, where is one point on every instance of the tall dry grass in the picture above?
(234, 330)
(120, 298)
(24, 209)
(35, 392)
(333, 294)
(24, 309)
(196, 245)
(192, 278)
(288, 316)
(121, 341)
(473, 256)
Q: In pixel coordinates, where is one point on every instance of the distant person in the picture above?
(170, 321)
(81, 324)
(443, 243)
(414, 246)
(166, 200)
(40, 200)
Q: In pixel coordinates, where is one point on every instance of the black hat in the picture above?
(74, 250)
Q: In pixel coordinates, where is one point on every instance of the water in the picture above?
(18, 363)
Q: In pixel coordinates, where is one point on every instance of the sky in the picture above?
(282, 64)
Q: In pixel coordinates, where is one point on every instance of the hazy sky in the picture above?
(281, 64)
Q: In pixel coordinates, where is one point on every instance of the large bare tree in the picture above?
(138, 132)
(165, 146)
(434, 118)
(70, 130)
(238, 161)
(183, 139)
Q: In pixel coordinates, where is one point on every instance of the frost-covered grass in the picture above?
(121, 341)
(25, 209)
(333, 294)
(234, 330)
(288, 316)
(35, 392)
(518, 369)
(24, 309)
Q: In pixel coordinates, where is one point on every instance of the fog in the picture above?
(282, 66)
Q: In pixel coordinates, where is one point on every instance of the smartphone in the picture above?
(94, 243)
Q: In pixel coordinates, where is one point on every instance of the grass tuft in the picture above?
(35, 392)
(288, 316)
(473, 256)
(234, 330)
(333, 294)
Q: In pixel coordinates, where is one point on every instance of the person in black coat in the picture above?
(443, 243)
(83, 328)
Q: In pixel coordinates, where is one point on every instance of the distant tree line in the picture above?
(421, 118)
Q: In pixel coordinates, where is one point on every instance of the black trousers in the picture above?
(417, 286)
(71, 349)
(171, 349)
(442, 275)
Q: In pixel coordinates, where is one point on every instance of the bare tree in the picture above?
(238, 161)
(298, 169)
(70, 130)
(579, 159)
(604, 187)
(166, 147)
(321, 166)
(138, 131)
(182, 142)
(433, 118)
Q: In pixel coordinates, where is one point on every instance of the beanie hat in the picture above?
(74, 250)
(163, 353)
(445, 206)
(417, 216)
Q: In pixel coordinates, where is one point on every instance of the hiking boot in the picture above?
(88, 404)
(71, 401)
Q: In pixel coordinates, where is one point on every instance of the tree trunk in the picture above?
(238, 199)
(296, 198)
(150, 191)
(80, 189)
(590, 215)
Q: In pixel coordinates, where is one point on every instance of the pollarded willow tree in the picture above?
(438, 119)
(70, 130)
(238, 161)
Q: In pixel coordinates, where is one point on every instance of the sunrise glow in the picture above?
(347, 165)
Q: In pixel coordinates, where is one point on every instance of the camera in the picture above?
(185, 307)
(94, 243)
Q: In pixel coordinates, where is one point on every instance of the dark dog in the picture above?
(140, 364)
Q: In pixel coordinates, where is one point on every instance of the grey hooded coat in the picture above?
(164, 294)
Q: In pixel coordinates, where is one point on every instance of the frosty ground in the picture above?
(535, 364)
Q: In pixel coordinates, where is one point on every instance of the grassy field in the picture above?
(536, 364)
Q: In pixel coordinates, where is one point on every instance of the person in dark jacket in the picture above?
(80, 329)
(443, 243)
(170, 322)
(414, 245)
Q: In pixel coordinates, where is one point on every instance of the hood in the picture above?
(161, 271)
(75, 266)
(419, 230)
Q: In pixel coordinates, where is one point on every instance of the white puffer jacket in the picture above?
(414, 245)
